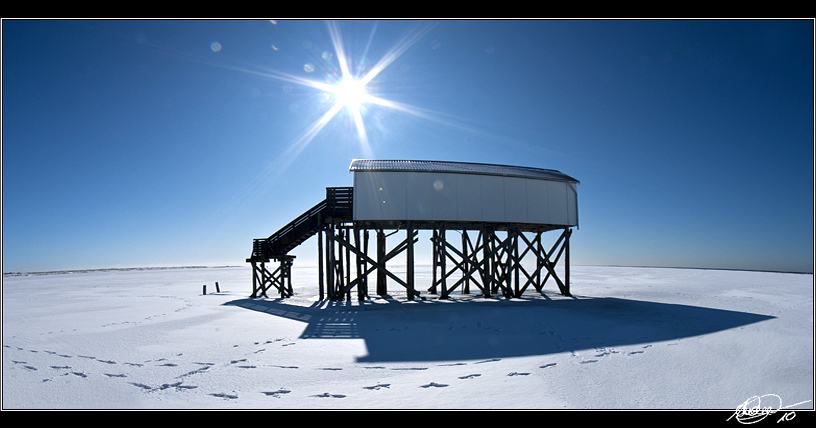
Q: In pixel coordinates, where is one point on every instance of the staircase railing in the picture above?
(337, 206)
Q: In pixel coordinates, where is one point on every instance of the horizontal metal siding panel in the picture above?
(379, 196)
(537, 201)
(469, 197)
(557, 206)
(493, 200)
(419, 195)
(444, 196)
(515, 200)
(399, 195)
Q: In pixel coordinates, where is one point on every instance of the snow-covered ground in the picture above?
(630, 338)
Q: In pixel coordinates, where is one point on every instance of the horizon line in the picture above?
(80, 270)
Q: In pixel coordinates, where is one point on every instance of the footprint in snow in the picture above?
(178, 386)
(115, 375)
(275, 394)
(589, 361)
(378, 386)
(517, 374)
(141, 385)
(222, 395)
(434, 384)
(635, 352)
(547, 365)
(24, 364)
(327, 395)
(470, 376)
(196, 371)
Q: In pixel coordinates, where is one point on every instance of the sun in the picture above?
(350, 93)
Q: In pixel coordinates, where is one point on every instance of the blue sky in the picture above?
(166, 143)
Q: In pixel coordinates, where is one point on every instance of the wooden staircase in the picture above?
(337, 207)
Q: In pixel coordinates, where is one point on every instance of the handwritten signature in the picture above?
(751, 410)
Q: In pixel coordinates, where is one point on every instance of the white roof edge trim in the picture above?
(459, 167)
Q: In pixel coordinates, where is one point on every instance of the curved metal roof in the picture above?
(459, 167)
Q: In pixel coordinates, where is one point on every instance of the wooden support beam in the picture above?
(254, 280)
(496, 261)
(348, 264)
(362, 287)
(443, 261)
(567, 262)
(330, 268)
(434, 261)
(409, 269)
(550, 264)
(486, 271)
(377, 265)
(382, 288)
(465, 246)
(320, 260)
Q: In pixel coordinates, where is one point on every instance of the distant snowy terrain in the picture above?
(630, 338)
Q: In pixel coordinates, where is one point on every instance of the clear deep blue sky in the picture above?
(143, 143)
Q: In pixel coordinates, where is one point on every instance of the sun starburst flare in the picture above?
(346, 92)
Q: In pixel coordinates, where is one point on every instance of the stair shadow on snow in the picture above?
(497, 328)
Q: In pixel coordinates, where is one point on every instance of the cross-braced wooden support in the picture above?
(496, 264)
(280, 278)
(347, 244)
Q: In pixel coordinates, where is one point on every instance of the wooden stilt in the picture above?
(409, 269)
(443, 262)
(320, 262)
(381, 276)
(465, 265)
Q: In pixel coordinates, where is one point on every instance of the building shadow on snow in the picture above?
(496, 328)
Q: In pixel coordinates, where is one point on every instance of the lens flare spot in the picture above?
(438, 185)
(215, 46)
(308, 67)
(327, 55)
